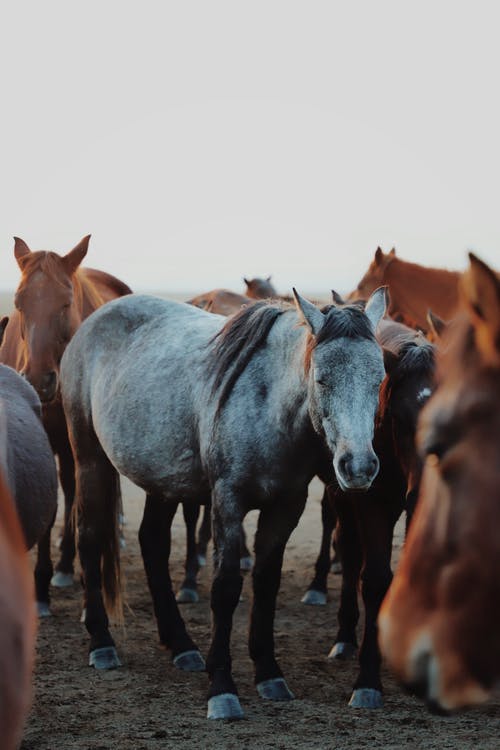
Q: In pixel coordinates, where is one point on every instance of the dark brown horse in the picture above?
(53, 297)
(17, 623)
(260, 288)
(440, 621)
(365, 522)
(413, 289)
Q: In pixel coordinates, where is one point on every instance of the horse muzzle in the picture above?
(355, 473)
(46, 385)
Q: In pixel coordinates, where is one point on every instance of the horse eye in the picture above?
(321, 382)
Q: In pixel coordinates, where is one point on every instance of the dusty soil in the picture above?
(148, 704)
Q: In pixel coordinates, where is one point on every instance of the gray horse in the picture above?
(30, 471)
(246, 411)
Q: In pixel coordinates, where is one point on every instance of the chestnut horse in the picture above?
(413, 289)
(17, 623)
(53, 297)
(225, 302)
(440, 621)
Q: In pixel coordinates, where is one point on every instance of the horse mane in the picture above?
(416, 356)
(341, 321)
(235, 344)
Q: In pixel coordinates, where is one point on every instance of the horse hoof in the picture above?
(246, 563)
(62, 580)
(224, 706)
(275, 689)
(337, 568)
(202, 560)
(316, 598)
(104, 658)
(343, 651)
(43, 609)
(187, 596)
(366, 698)
(190, 661)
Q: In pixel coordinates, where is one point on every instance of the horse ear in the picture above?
(3, 326)
(376, 306)
(311, 315)
(337, 299)
(246, 281)
(268, 278)
(481, 291)
(437, 325)
(393, 252)
(379, 256)
(73, 259)
(21, 250)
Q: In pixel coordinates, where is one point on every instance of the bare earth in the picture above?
(148, 704)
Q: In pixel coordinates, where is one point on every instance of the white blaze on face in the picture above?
(423, 395)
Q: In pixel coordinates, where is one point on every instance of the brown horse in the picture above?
(260, 288)
(17, 624)
(440, 621)
(413, 289)
(53, 297)
(220, 301)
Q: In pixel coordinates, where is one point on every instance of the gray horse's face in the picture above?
(345, 372)
(344, 384)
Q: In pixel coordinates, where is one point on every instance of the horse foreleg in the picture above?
(317, 589)
(223, 702)
(64, 568)
(43, 574)
(276, 523)
(377, 520)
(155, 541)
(349, 548)
(187, 592)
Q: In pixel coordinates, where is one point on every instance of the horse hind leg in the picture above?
(188, 593)
(43, 574)
(154, 538)
(98, 494)
(276, 523)
(317, 590)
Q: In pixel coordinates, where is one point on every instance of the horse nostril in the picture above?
(374, 466)
(345, 465)
(49, 382)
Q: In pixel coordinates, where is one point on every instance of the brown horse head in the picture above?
(48, 303)
(375, 276)
(260, 288)
(440, 620)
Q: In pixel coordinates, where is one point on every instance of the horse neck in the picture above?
(86, 298)
(413, 289)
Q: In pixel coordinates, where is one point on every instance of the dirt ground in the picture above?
(148, 704)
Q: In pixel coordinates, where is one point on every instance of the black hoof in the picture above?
(104, 658)
(343, 651)
(275, 689)
(190, 661)
(225, 706)
(187, 596)
(366, 698)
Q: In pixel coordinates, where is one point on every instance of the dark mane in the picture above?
(344, 321)
(232, 348)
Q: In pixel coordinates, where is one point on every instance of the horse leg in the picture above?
(187, 593)
(155, 540)
(64, 568)
(276, 523)
(377, 520)
(246, 561)
(223, 702)
(204, 535)
(98, 492)
(349, 548)
(317, 589)
(43, 574)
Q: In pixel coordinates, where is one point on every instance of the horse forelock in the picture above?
(346, 321)
(232, 348)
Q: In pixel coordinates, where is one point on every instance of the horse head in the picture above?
(260, 288)
(375, 276)
(345, 367)
(48, 311)
(439, 623)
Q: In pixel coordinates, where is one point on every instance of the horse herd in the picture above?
(393, 408)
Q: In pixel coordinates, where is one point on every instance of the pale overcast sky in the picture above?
(202, 141)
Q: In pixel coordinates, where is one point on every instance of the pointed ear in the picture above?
(3, 325)
(481, 291)
(337, 299)
(376, 306)
(73, 259)
(246, 281)
(310, 314)
(437, 326)
(21, 250)
(379, 256)
(393, 251)
(390, 360)
(268, 278)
